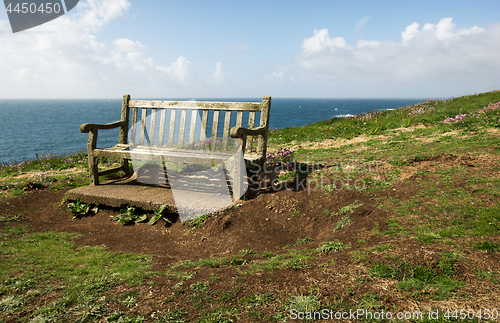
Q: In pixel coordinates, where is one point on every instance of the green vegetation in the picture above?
(80, 209)
(465, 113)
(130, 216)
(426, 234)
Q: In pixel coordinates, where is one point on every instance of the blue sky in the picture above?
(224, 49)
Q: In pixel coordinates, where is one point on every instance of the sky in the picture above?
(162, 49)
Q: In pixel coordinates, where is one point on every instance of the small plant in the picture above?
(159, 214)
(332, 246)
(305, 240)
(199, 286)
(343, 222)
(283, 156)
(489, 246)
(129, 216)
(382, 270)
(245, 252)
(293, 263)
(256, 301)
(80, 209)
(303, 303)
(129, 301)
(198, 221)
(346, 209)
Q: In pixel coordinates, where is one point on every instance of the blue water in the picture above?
(30, 127)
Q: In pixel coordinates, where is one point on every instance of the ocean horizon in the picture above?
(32, 127)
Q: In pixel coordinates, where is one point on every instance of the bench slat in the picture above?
(227, 121)
(215, 126)
(152, 128)
(143, 126)
(183, 127)
(133, 128)
(204, 122)
(172, 128)
(162, 127)
(239, 119)
(194, 116)
(195, 105)
(251, 124)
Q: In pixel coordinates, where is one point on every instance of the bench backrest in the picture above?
(190, 123)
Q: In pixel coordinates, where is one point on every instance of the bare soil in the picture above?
(269, 222)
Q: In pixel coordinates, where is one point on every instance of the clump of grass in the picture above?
(199, 286)
(332, 246)
(197, 221)
(303, 303)
(382, 270)
(346, 209)
(343, 222)
(489, 246)
(293, 263)
(381, 247)
(246, 252)
(258, 300)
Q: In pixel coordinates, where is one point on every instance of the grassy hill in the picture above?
(390, 211)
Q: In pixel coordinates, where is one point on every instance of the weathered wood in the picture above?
(87, 127)
(225, 136)
(162, 127)
(215, 125)
(158, 151)
(182, 130)
(204, 122)
(143, 126)
(91, 146)
(239, 119)
(264, 123)
(194, 116)
(251, 125)
(134, 126)
(173, 115)
(233, 106)
(122, 135)
(152, 127)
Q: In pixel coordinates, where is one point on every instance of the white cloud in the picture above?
(64, 58)
(410, 32)
(219, 74)
(181, 71)
(129, 46)
(321, 41)
(96, 13)
(435, 54)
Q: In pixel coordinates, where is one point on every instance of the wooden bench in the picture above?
(141, 136)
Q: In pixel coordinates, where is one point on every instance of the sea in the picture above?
(33, 127)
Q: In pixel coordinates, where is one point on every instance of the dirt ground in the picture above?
(268, 222)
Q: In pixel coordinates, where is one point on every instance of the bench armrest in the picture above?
(87, 127)
(240, 132)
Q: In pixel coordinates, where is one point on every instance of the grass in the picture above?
(451, 206)
(49, 263)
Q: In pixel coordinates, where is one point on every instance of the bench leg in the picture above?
(125, 167)
(93, 171)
